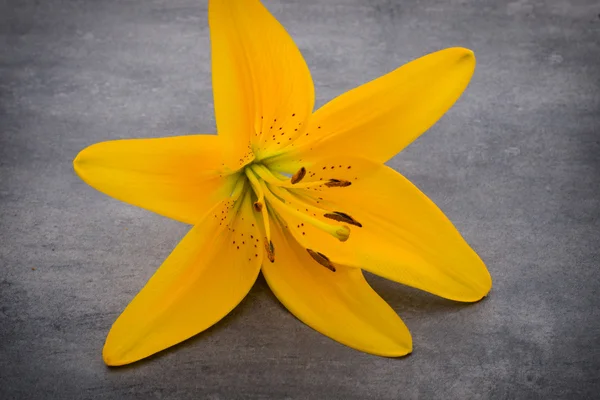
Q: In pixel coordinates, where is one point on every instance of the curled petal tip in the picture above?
(467, 55)
(110, 358)
(405, 348)
(113, 354)
(467, 52)
(461, 51)
(486, 285)
(480, 289)
(459, 55)
(79, 159)
(404, 352)
(402, 348)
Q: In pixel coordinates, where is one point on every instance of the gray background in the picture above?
(515, 164)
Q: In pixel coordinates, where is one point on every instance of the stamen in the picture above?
(279, 175)
(321, 259)
(265, 174)
(258, 205)
(270, 250)
(255, 185)
(305, 185)
(288, 198)
(343, 217)
(238, 188)
(230, 214)
(293, 198)
(298, 176)
(268, 176)
(342, 233)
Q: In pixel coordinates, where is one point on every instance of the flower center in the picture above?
(279, 198)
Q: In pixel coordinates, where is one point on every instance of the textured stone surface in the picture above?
(515, 164)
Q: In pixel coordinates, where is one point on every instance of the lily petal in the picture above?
(262, 87)
(178, 177)
(403, 236)
(338, 304)
(205, 277)
(380, 118)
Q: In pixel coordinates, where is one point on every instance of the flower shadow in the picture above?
(408, 302)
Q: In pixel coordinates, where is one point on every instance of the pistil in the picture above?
(341, 232)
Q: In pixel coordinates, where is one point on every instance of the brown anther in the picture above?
(337, 183)
(321, 259)
(258, 206)
(343, 217)
(270, 250)
(298, 176)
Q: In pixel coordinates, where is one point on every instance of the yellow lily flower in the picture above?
(302, 196)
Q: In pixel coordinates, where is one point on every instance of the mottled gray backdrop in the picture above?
(515, 164)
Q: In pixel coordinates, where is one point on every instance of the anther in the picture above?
(321, 259)
(298, 176)
(258, 206)
(337, 183)
(343, 217)
(270, 250)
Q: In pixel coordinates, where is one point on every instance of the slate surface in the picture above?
(515, 164)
